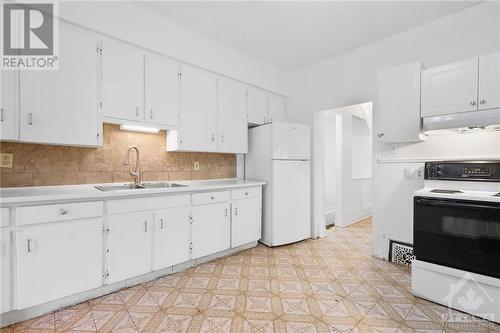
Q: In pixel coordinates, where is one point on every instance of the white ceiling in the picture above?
(292, 35)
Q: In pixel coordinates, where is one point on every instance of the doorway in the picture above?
(343, 165)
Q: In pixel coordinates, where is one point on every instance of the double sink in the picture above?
(120, 187)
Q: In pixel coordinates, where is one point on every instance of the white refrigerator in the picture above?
(279, 153)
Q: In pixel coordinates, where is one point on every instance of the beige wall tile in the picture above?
(15, 179)
(49, 178)
(57, 165)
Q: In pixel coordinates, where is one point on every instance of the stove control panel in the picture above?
(463, 170)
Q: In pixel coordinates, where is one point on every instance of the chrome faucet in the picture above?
(137, 174)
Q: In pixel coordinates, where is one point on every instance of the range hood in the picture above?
(460, 120)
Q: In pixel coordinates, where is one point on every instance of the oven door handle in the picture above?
(461, 204)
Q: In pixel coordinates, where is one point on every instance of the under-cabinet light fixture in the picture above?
(143, 129)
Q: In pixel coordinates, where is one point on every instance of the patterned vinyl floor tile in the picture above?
(332, 284)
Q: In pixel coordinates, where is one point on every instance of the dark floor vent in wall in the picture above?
(401, 253)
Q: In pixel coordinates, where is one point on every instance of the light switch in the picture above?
(196, 166)
(6, 160)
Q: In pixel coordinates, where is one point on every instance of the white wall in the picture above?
(331, 168)
(121, 19)
(351, 78)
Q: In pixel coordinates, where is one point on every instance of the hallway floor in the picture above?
(324, 285)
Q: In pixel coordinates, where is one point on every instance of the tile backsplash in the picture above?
(38, 165)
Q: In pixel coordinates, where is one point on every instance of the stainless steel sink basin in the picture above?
(105, 188)
(162, 185)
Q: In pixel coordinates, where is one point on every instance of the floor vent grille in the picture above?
(401, 254)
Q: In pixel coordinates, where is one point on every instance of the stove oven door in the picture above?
(458, 233)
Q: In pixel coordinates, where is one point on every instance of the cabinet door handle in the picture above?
(1, 114)
(137, 111)
(380, 135)
(30, 118)
(212, 138)
(145, 226)
(63, 211)
(225, 212)
(483, 101)
(246, 193)
(29, 246)
(236, 211)
(222, 138)
(162, 225)
(212, 197)
(473, 103)
(150, 113)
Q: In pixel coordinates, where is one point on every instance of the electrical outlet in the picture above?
(196, 166)
(414, 173)
(6, 160)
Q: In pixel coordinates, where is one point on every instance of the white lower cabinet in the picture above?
(246, 221)
(5, 270)
(129, 245)
(57, 260)
(211, 229)
(171, 240)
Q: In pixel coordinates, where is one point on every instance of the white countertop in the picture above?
(18, 195)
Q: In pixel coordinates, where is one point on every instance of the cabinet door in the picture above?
(233, 129)
(198, 123)
(162, 90)
(8, 105)
(398, 110)
(122, 71)
(489, 81)
(129, 245)
(58, 260)
(277, 108)
(450, 89)
(257, 106)
(5, 270)
(246, 222)
(210, 229)
(171, 237)
(61, 106)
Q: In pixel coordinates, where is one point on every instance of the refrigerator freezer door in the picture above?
(290, 141)
(290, 200)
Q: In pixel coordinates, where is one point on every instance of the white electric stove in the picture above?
(457, 237)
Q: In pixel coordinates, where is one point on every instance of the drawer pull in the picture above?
(63, 211)
(246, 193)
(236, 211)
(225, 212)
(162, 225)
(29, 246)
(145, 226)
(212, 197)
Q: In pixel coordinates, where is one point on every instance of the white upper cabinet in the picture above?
(162, 90)
(233, 129)
(198, 121)
(122, 71)
(398, 109)
(277, 107)
(489, 81)
(61, 106)
(8, 105)
(450, 89)
(257, 106)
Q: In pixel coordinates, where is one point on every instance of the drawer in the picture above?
(4, 217)
(247, 192)
(209, 197)
(59, 212)
(120, 206)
